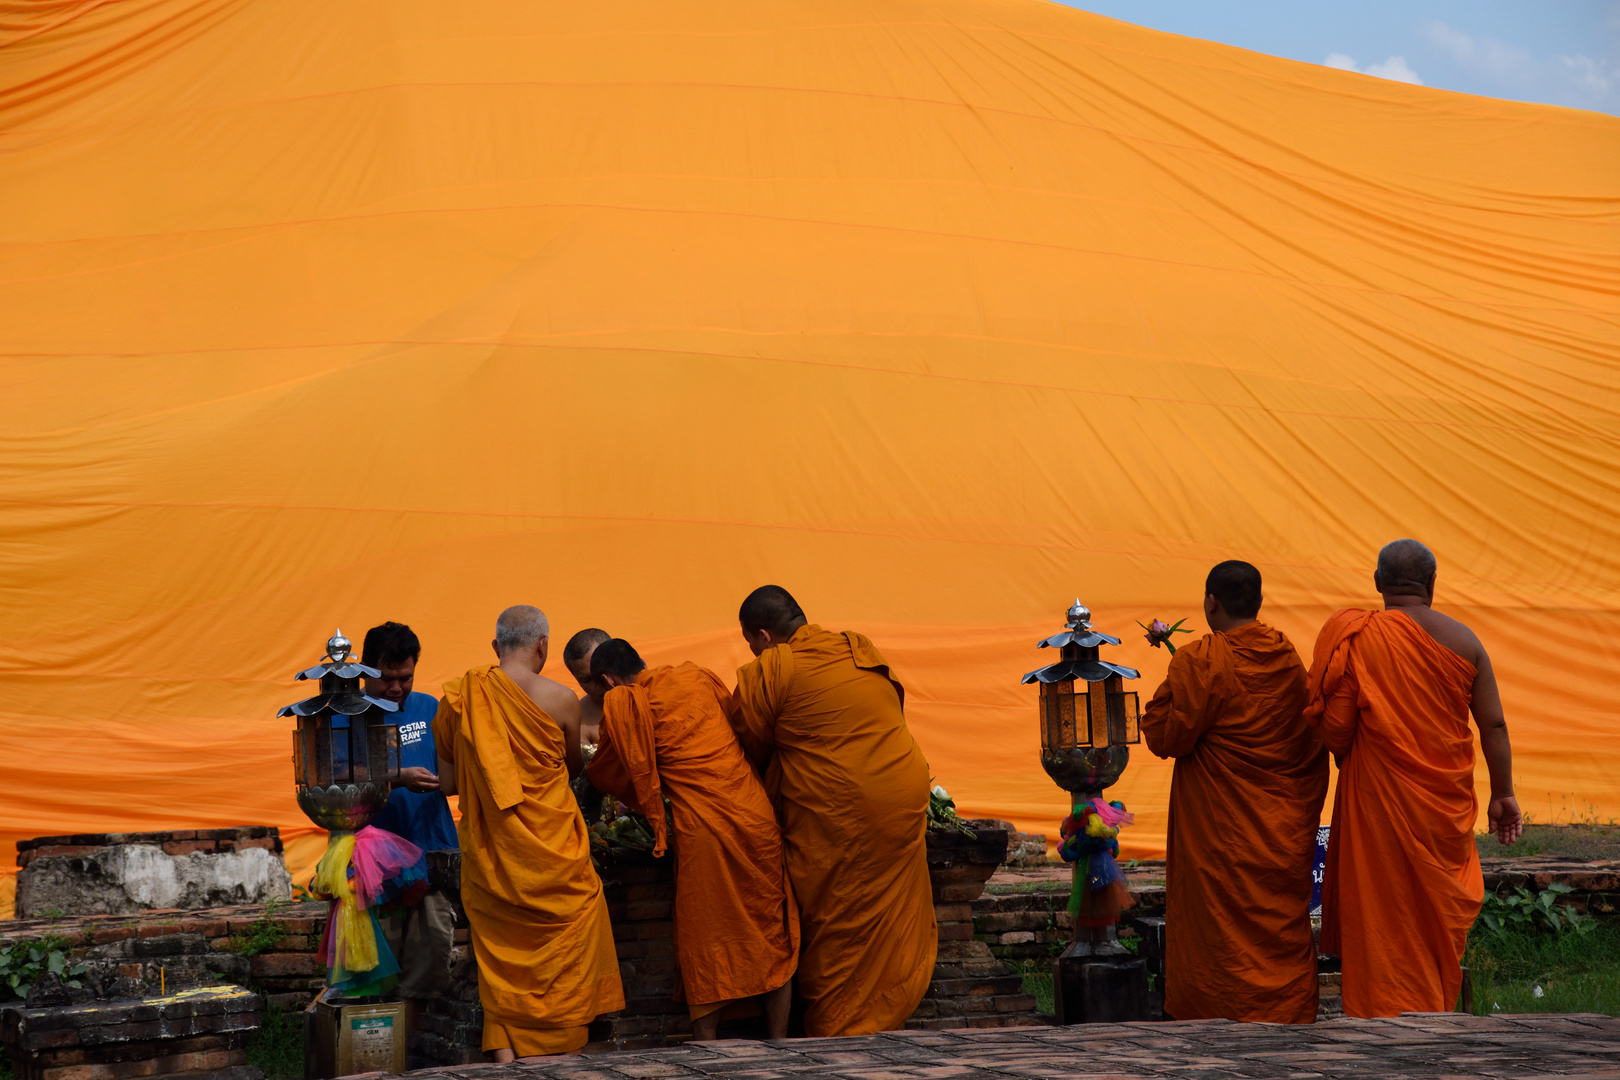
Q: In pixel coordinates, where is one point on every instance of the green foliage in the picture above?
(1589, 840)
(263, 935)
(1522, 912)
(1575, 972)
(1037, 976)
(24, 963)
(942, 811)
(302, 895)
(276, 1048)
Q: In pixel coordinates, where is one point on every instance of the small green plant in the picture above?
(264, 935)
(24, 963)
(942, 811)
(1523, 912)
(302, 895)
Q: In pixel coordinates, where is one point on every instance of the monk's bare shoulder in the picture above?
(1449, 632)
(558, 701)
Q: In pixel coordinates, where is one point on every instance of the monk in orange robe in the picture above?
(508, 741)
(1250, 778)
(667, 733)
(1391, 691)
(821, 713)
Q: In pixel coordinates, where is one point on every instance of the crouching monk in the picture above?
(1392, 691)
(508, 742)
(821, 714)
(666, 733)
(1251, 774)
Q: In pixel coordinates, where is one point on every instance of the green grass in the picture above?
(277, 1047)
(1575, 973)
(1037, 976)
(1572, 841)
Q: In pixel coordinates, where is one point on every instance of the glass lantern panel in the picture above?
(1097, 713)
(1063, 700)
(298, 758)
(1124, 719)
(360, 743)
(341, 760)
(321, 738)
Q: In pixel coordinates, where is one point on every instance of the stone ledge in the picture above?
(1419, 1046)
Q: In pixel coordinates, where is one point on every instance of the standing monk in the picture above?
(665, 733)
(508, 741)
(1251, 774)
(1392, 691)
(821, 714)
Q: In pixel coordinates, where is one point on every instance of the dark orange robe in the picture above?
(1403, 883)
(851, 789)
(669, 736)
(539, 921)
(1245, 800)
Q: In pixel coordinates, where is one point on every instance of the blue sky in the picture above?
(1563, 52)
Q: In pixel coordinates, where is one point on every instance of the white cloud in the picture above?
(1487, 56)
(1393, 68)
(1577, 80)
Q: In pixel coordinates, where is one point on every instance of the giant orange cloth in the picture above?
(851, 788)
(1403, 883)
(1250, 778)
(937, 314)
(539, 921)
(736, 927)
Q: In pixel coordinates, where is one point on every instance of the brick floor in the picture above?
(1422, 1047)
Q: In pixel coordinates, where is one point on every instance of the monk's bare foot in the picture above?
(502, 1056)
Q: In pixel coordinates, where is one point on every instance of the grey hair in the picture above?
(519, 627)
(1405, 566)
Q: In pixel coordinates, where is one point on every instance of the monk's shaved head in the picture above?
(771, 607)
(1236, 584)
(617, 657)
(1405, 568)
(580, 645)
(519, 627)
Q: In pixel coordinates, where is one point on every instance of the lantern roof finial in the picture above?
(1079, 616)
(338, 647)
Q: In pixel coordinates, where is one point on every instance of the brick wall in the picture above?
(174, 842)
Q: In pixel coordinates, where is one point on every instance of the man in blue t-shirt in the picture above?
(420, 936)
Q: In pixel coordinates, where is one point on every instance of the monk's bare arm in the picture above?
(1503, 813)
(566, 713)
(447, 777)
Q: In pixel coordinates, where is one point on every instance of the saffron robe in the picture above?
(539, 921)
(1250, 778)
(1403, 883)
(736, 926)
(823, 715)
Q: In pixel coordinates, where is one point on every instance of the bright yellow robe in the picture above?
(540, 931)
(851, 788)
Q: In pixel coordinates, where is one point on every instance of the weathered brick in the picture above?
(649, 910)
(188, 847)
(268, 964)
(112, 934)
(157, 930)
(953, 913)
(1016, 937)
(960, 892)
(956, 932)
(206, 927)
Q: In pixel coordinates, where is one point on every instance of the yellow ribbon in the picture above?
(354, 946)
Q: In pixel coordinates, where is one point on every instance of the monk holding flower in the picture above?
(1245, 799)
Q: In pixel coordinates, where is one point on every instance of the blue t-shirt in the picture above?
(423, 818)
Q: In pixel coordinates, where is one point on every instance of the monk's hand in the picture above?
(418, 779)
(1504, 817)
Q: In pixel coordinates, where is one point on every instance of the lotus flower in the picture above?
(1159, 633)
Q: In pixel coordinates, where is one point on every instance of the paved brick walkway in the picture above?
(1423, 1047)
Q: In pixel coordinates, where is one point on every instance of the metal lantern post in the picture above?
(346, 748)
(1089, 722)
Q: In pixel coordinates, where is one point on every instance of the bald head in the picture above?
(1405, 568)
(578, 649)
(520, 627)
(771, 607)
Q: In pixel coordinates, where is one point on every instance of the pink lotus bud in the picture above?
(1159, 628)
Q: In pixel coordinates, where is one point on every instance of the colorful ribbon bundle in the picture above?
(361, 874)
(1091, 843)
